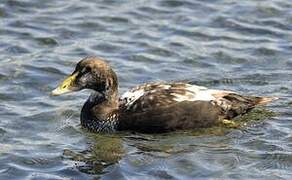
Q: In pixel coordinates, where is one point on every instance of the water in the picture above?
(244, 46)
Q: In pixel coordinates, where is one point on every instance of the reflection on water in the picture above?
(105, 151)
(235, 45)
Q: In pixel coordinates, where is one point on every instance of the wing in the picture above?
(151, 96)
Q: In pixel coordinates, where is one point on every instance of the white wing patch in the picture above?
(131, 96)
(198, 93)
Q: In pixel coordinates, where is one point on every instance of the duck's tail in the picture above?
(264, 100)
(239, 104)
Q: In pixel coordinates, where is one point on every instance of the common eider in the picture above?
(151, 107)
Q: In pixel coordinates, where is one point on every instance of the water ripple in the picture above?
(239, 45)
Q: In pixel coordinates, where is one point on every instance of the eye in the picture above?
(86, 69)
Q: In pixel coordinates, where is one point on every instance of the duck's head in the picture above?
(90, 73)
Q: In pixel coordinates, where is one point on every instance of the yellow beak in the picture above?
(65, 86)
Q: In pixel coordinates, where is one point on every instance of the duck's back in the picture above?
(160, 107)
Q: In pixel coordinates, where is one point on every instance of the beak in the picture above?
(66, 86)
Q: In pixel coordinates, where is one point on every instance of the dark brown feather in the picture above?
(182, 115)
(235, 104)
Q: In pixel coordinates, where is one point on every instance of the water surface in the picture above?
(243, 46)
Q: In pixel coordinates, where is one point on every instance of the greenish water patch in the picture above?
(105, 150)
(46, 41)
(256, 115)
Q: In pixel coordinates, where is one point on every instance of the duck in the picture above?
(155, 107)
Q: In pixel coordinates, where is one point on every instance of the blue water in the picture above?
(245, 46)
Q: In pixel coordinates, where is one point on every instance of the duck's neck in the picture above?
(99, 112)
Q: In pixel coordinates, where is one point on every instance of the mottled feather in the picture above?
(153, 95)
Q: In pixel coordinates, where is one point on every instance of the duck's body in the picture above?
(152, 107)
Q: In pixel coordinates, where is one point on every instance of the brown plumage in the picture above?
(152, 107)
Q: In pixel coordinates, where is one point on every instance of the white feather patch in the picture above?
(196, 93)
(131, 96)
